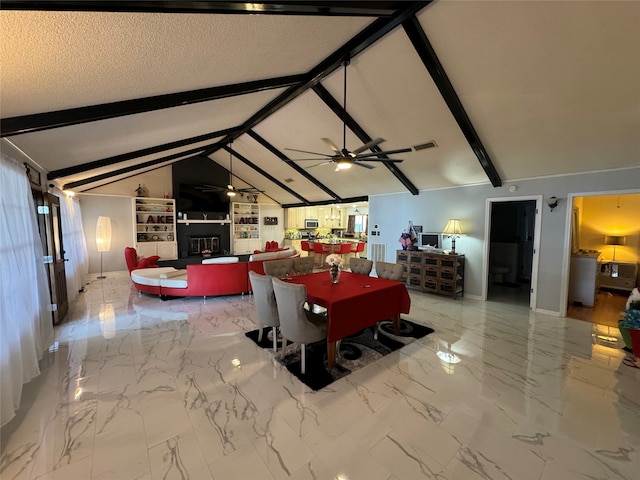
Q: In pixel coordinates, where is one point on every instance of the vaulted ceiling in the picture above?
(96, 91)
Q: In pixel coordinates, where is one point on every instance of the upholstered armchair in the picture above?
(266, 307)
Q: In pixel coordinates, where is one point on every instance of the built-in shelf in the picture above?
(188, 221)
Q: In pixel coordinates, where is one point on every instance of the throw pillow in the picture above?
(148, 262)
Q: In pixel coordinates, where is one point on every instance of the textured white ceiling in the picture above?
(550, 87)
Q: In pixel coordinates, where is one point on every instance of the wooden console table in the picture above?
(433, 272)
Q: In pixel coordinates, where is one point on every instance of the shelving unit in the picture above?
(246, 228)
(433, 272)
(154, 227)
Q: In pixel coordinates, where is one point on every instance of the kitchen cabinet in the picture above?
(154, 227)
(295, 217)
(584, 279)
(246, 228)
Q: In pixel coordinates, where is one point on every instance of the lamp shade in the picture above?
(103, 234)
(615, 240)
(453, 227)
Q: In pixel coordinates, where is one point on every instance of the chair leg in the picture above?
(283, 352)
(260, 334)
(303, 352)
(375, 332)
(338, 357)
(275, 339)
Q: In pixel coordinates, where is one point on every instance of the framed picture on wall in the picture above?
(271, 220)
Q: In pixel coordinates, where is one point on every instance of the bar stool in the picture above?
(317, 254)
(345, 250)
(304, 245)
(359, 249)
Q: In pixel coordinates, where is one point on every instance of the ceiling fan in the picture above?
(344, 158)
(230, 189)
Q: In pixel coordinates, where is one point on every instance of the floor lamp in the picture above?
(103, 238)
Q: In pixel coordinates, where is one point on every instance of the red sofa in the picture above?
(198, 280)
(208, 280)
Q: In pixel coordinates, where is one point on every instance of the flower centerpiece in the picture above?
(335, 264)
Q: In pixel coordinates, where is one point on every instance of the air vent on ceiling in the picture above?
(423, 146)
(288, 180)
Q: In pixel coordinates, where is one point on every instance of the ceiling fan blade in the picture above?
(307, 159)
(386, 152)
(370, 167)
(305, 151)
(317, 165)
(388, 160)
(368, 145)
(333, 146)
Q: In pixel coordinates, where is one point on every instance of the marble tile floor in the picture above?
(174, 390)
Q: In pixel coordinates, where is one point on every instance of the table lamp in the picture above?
(615, 240)
(453, 230)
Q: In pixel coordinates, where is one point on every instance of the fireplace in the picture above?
(198, 244)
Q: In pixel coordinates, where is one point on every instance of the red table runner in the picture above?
(356, 302)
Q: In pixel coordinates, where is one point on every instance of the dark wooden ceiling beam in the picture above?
(106, 162)
(133, 169)
(293, 165)
(427, 54)
(271, 178)
(309, 8)
(327, 202)
(355, 127)
(361, 41)
(74, 116)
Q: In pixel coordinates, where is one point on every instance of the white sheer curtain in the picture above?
(75, 246)
(26, 328)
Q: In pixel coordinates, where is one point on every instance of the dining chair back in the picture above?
(278, 268)
(302, 265)
(266, 307)
(297, 324)
(390, 271)
(362, 266)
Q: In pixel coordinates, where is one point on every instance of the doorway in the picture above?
(510, 266)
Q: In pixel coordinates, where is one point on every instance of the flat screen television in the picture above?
(429, 241)
(193, 199)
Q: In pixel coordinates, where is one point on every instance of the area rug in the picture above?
(356, 351)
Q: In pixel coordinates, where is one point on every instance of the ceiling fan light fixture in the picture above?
(231, 193)
(343, 165)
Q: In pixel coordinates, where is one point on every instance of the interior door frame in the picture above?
(568, 245)
(533, 293)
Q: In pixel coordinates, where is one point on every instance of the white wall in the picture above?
(118, 208)
(432, 209)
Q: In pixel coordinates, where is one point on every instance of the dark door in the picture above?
(56, 257)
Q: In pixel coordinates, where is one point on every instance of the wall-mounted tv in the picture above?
(429, 241)
(191, 198)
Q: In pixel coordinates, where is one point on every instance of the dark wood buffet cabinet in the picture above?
(433, 272)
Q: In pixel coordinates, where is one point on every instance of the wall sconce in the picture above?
(453, 230)
(103, 238)
(552, 202)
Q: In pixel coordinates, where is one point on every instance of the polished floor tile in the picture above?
(174, 390)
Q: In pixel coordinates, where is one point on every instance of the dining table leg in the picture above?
(396, 324)
(331, 354)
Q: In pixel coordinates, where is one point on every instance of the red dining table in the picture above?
(355, 302)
